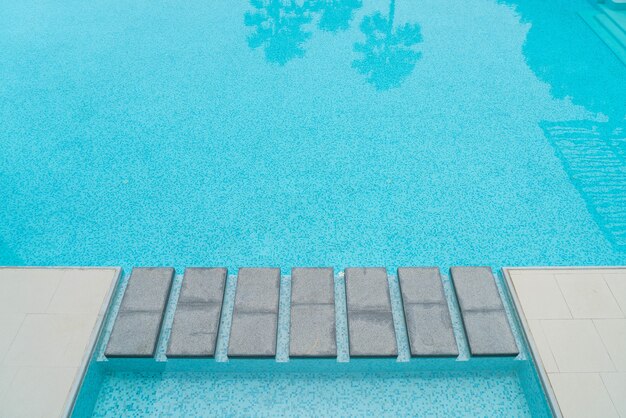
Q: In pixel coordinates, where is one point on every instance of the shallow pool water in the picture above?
(309, 132)
(496, 393)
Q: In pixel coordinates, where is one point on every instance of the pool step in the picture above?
(610, 26)
(426, 313)
(198, 313)
(312, 327)
(313, 316)
(138, 323)
(484, 318)
(371, 330)
(616, 4)
(255, 316)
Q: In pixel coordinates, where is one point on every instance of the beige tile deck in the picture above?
(576, 323)
(48, 321)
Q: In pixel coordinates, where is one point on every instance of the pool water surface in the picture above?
(289, 133)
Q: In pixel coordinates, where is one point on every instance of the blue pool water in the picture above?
(310, 132)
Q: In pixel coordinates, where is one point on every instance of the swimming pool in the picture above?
(322, 133)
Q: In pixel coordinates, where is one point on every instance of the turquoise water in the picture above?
(308, 133)
(412, 392)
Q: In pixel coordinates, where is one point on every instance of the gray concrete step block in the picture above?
(489, 333)
(198, 312)
(137, 325)
(203, 285)
(148, 289)
(430, 330)
(255, 314)
(475, 288)
(372, 334)
(253, 335)
(426, 313)
(421, 285)
(484, 318)
(257, 290)
(135, 334)
(312, 285)
(312, 331)
(367, 289)
(194, 330)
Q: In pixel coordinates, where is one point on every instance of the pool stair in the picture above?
(312, 327)
(608, 21)
(137, 325)
(426, 313)
(484, 318)
(255, 317)
(254, 329)
(198, 313)
(370, 320)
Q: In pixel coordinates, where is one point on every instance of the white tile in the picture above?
(28, 290)
(582, 395)
(51, 340)
(617, 284)
(615, 384)
(613, 334)
(588, 296)
(540, 295)
(545, 352)
(7, 373)
(81, 291)
(9, 326)
(38, 392)
(576, 346)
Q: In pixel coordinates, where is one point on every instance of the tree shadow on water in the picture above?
(282, 27)
(389, 54)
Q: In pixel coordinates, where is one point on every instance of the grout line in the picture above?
(558, 285)
(614, 298)
(19, 328)
(606, 350)
(56, 289)
(545, 337)
(608, 392)
(341, 320)
(283, 320)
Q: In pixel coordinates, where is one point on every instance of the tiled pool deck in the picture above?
(49, 320)
(575, 320)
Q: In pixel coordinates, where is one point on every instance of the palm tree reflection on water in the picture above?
(282, 27)
(389, 54)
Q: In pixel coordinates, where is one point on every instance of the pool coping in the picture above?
(96, 331)
(533, 349)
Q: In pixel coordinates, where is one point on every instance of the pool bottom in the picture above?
(421, 387)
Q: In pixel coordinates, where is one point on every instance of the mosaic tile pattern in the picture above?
(379, 394)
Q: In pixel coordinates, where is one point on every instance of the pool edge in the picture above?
(94, 337)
